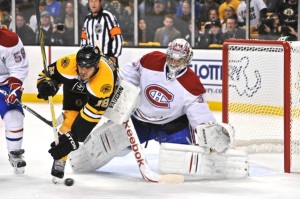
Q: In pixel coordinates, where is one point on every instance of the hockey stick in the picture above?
(140, 157)
(29, 110)
(50, 99)
(59, 120)
(125, 101)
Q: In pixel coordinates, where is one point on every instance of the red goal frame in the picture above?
(287, 91)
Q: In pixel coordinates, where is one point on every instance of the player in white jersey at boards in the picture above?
(13, 71)
(258, 11)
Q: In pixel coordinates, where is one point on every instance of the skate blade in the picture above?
(54, 180)
(19, 170)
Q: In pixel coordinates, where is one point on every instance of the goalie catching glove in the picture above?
(67, 144)
(46, 88)
(216, 136)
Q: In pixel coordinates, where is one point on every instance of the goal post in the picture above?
(261, 96)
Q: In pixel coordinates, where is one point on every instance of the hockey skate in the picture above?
(16, 160)
(58, 168)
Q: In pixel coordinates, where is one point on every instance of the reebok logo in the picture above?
(134, 145)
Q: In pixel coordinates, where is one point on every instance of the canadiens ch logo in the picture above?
(105, 88)
(65, 62)
(158, 96)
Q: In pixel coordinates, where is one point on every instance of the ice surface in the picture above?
(120, 178)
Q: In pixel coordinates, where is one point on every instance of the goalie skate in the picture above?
(58, 168)
(16, 160)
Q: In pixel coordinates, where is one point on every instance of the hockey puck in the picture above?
(69, 182)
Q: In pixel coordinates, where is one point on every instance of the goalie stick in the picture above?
(126, 96)
(50, 99)
(142, 163)
(59, 120)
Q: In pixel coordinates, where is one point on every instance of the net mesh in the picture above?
(256, 96)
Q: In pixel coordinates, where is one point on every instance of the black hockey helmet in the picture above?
(88, 56)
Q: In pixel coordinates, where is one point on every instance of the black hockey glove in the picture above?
(67, 144)
(47, 88)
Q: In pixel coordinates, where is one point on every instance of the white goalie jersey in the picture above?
(163, 100)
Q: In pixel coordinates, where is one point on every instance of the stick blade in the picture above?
(172, 179)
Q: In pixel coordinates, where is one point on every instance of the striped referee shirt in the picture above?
(103, 31)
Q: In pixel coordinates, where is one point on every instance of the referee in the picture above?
(101, 29)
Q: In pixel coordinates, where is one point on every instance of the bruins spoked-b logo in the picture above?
(65, 62)
(105, 88)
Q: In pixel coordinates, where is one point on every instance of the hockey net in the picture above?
(261, 96)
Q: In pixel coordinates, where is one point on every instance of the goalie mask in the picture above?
(179, 55)
(88, 56)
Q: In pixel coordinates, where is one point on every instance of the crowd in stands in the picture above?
(160, 21)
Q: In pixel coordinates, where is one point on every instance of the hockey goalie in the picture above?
(164, 101)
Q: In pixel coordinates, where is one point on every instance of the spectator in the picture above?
(5, 18)
(205, 10)
(143, 32)
(82, 10)
(200, 39)
(156, 18)
(167, 33)
(181, 22)
(145, 7)
(51, 36)
(124, 18)
(25, 7)
(269, 28)
(258, 10)
(5, 6)
(24, 31)
(232, 29)
(223, 6)
(216, 35)
(171, 6)
(213, 16)
(273, 5)
(32, 20)
(229, 12)
(288, 15)
(197, 8)
(53, 7)
(65, 23)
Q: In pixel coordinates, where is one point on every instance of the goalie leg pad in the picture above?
(103, 144)
(199, 163)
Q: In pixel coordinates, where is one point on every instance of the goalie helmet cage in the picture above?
(261, 96)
